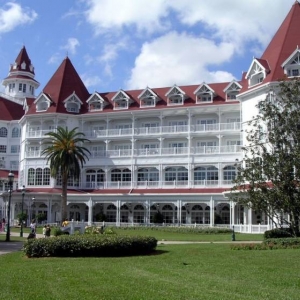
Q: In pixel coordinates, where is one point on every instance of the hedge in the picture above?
(277, 233)
(89, 246)
(196, 230)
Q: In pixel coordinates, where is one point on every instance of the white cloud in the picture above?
(13, 15)
(179, 59)
(110, 54)
(71, 45)
(117, 14)
(234, 21)
(55, 59)
(90, 81)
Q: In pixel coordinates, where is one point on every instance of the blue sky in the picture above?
(132, 44)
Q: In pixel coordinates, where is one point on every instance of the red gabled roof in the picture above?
(9, 110)
(22, 57)
(63, 84)
(283, 44)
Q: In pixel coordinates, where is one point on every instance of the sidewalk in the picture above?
(8, 247)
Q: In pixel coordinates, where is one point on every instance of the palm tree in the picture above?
(66, 158)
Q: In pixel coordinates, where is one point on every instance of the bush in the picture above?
(57, 231)
(270, 244)
(277, 233)
(89, 245)
(176, 229)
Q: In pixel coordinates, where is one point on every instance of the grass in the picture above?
(194, 271)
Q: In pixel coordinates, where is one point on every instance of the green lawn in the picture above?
(194, 271)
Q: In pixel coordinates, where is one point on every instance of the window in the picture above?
(94, 178)
(148, 174)
(3, 132)
(38, 176)
(42, 106)
(20, 87)
(15, 149)
(2, 148)
(229, 173)
(206, 173)
(11, 87)
(24, 88)
(120, 175)
(295, 72)
(176, 174)
(15, 132)
(72, 107)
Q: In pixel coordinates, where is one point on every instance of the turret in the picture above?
(20, 82)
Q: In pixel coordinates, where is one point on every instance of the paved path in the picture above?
(8, 247)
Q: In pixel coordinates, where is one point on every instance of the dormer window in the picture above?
(257, 72)
(292, 65)
(42, 103)
(148, 98)
(232, 90)
(204, 94)
(23, 65)
(96, 102)
(73, 103)
(121, 100)
(176, 96)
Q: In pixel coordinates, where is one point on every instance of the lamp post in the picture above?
(23, 194)
(33, 199)
(10, 183)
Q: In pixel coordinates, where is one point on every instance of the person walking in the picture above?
(48, 231)
(44, 231)
(33, 226)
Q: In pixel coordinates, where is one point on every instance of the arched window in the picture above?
(94, 177)
(148, 174)
(139, 207)
(39, 176)
(229, 174)
(197, 207)
(208, 174)
(46, 176)
(15, 132)
(3, 132)
(111, 213)
(176, 174)
(31, 176)
(121, 175)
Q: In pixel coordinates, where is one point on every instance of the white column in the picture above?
(90, 216)
(212, 212)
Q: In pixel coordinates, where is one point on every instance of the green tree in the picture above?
(269, 175)
(66, 156)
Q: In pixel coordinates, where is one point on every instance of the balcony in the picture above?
(157, 184)
(159, 130)
(174, 151)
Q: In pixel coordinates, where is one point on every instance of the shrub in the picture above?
(176, 229)
(277, 233)
(269, 244)
(89, 245)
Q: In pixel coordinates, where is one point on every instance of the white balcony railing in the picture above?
(157, 184)
(154, 152)
(218, 127)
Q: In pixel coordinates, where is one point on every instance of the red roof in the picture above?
(131, 192)
(9, 110)
(63, 84)
(22, 57)
(283, 44)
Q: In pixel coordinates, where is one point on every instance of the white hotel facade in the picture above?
(171, 149)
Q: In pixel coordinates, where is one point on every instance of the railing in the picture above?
(156, 184)
(32, 133)
(153, 152)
